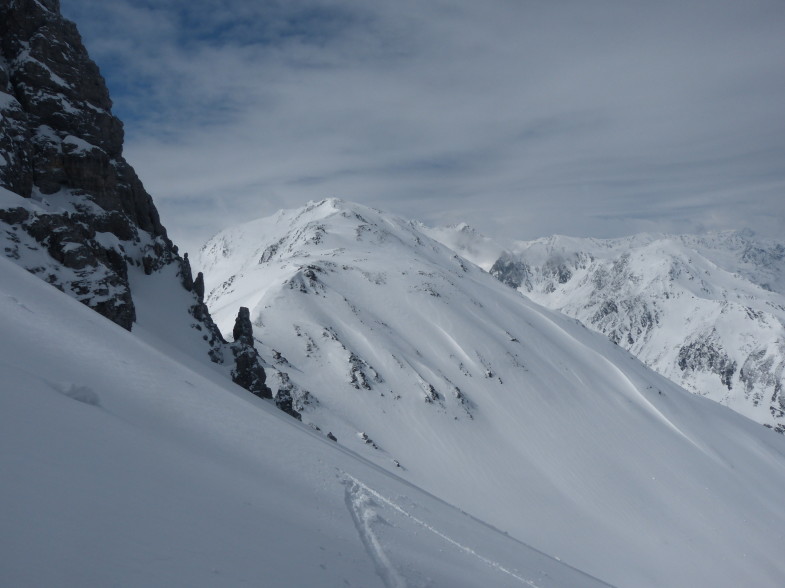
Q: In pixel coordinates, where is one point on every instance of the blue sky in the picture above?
(522, 117)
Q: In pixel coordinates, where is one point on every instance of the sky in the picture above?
(523, 118)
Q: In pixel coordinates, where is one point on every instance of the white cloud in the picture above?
(522, 117)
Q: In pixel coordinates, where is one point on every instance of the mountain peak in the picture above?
(299, 235)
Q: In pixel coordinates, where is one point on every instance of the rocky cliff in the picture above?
(73, 211)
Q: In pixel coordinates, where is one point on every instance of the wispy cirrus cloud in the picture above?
(523, 117)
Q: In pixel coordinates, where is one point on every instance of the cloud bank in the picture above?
(522, 117)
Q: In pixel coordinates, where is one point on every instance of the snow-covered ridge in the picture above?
(706, 311)
(428, 366)
(759, 260)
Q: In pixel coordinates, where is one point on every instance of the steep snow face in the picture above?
(121, 466)
(431, 368)
(707, 312)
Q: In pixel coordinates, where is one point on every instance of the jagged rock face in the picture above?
(511, 271)
(707, 312)
(706, 353)
(58, 130)
(285, 402)
(248, 371)
(61, 146)
(98, 275)
(72, 210)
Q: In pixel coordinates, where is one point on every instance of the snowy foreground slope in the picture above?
(431, 368)
(707, 312)
(123, 467)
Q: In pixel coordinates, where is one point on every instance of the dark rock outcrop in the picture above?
(706, 354)
(82, 220)
(61, 133)
(285, 402)
(248, 371)
(511, 271)
(61, 148)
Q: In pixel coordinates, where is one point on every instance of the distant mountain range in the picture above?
(707, 312)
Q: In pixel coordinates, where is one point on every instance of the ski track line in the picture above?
(360, 506)
(355, 501)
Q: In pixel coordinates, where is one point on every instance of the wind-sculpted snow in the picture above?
(707, 312)
(428, 366)
(121, 466)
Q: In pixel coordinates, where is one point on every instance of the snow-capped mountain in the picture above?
(428, 366)
(707, 312)
(123, 466)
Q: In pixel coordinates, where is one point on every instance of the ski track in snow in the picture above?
(360, 504)
(361, 507)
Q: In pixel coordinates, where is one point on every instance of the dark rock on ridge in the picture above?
(706, 354)
(248, 371)
(61, 147)
(511, 271)
(60, 132)
(285, 402)
(84, 217)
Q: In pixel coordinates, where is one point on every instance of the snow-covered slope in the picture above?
(122, 467)
(708, 312)
(430, 367)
